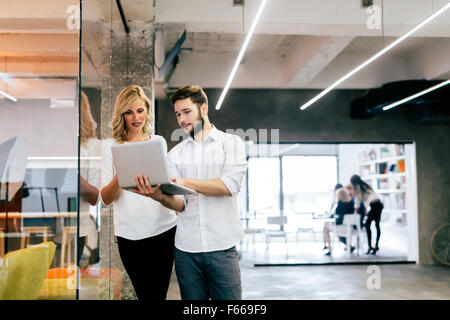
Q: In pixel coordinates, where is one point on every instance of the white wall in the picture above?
(348, 161)
(48, 131)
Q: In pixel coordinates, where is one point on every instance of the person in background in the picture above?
(90, 148)
(344, 206)
(364, 194)
(362, 208)
(328, 225)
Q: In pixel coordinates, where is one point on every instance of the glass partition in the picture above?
(115, 54)
(39, 151)
(63, 64)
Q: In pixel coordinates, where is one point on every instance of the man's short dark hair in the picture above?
(194, 92)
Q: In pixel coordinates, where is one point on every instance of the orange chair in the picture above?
(114, 275)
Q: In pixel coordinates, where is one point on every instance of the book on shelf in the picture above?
(382, 184)
(401, 165)
(382, 168)
(399, 149)
(393, 168)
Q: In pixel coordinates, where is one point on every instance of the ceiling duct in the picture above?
(431, 107)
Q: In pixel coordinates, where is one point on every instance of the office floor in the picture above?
(334, 282)
(397, 281)
(306, 247)
(307, 252)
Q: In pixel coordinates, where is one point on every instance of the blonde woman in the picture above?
(144, 229)
(90, 149)
(344, 206)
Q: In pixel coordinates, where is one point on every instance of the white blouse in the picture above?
(135, 216)
(366, 198)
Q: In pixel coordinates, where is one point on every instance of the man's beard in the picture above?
(198, 126)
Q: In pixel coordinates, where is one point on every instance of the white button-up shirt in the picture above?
(210, 223)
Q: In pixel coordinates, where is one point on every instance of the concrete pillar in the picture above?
(131, 62)
(112, 60)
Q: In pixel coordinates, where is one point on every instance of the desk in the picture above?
(311, 224)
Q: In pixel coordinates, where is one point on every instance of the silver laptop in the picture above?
(148, 158)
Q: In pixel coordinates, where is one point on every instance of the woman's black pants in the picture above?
(376, 207)
(149, 264)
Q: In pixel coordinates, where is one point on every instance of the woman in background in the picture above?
(344, 206)
(90, 148)
(363, 193)
(362, 208)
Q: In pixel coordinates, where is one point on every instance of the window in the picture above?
(308, 182)
(264, 185)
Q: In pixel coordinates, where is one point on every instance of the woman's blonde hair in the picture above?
(88, 125)
(342, 195)
(126, 98)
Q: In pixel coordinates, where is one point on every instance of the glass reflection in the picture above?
(38, 213)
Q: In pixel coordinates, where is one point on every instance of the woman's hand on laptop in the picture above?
(146, 189)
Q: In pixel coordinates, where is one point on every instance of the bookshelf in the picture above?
(383, 168)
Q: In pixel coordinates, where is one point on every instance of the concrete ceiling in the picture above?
(297, 44)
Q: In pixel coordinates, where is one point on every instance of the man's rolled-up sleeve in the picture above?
(235, 164)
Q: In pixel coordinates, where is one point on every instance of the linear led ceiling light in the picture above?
(376, 56)
(421, 93)
(8, 96)
(241, 54)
